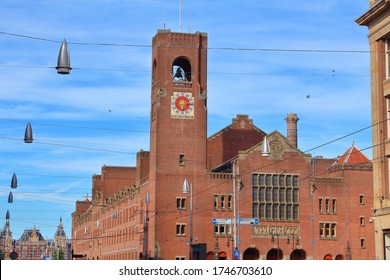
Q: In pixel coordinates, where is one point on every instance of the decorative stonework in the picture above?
(265, 231)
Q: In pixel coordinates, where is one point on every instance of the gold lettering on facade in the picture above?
(265, 231)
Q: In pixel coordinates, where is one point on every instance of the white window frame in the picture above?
(387, 54)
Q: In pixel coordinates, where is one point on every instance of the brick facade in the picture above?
(141, 212)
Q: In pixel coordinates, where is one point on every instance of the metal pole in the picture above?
(145, 233)
(191, 237)
(180, 8)
(234, 208)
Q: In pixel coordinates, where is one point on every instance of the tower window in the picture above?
(362, 243)
(180, 229)
(181, 70)
(181, 159)
(180, 203)
(362, 221)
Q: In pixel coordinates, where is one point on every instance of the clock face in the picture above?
(182, 105)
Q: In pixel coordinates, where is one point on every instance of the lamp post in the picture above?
(186, 188)
(277, 244)
(145, 247)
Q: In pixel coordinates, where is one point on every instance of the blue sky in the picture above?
(265, 59)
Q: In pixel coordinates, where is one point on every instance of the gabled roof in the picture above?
(352, 156)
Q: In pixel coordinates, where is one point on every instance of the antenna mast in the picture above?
(180, 8)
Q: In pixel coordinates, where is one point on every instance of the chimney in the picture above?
(292, 130)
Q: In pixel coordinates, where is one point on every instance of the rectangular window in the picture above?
(320, 201)
(362, 243)
(282, 211)
(223, 202)
(230, 202)
(334, 206)
(328, 230)
(333, 230)
(275, 197)
(387, 97)
(322, 231)
(222, 230)
(216, 202)
(180, 203)
(387, 50)
(181, 159)
(361, 199)
(180, 229)
(327, 205)
(386, 239)
(362, 222)
(255, 210)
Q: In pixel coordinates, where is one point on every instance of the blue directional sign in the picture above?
(248, 221)
(222, 221)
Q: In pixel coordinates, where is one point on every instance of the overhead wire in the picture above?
(209, 48)
(225, 49)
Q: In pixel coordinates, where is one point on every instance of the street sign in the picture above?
(248, 221)
(236, 254)
(222, 221)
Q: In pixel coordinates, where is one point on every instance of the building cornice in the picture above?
(373, 13)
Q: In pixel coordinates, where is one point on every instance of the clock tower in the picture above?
(178, 138)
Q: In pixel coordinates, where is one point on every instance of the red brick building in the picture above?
(248, 194)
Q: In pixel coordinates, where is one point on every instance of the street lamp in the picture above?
(63, 63)
(186, 188)
(28, 134)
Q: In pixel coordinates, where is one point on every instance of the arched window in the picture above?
(181, 70)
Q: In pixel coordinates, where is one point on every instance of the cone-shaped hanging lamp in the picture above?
(28, 135)
(10, 197)
(185, 188)
(63, 63)
(14, 181)
(265, 151)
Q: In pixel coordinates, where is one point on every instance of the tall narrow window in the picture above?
(181, 159)
(320, 201)
(361, 199)
(386, 237)
(230, 202)
(223, 205)
(387, 49)
(334, 206)
(387, 98)
(327, 205)
(216, 201)
(362, 243)
(362, 221)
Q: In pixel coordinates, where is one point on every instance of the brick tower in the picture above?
(178, 136)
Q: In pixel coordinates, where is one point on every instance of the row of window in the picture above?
(327, 205)
(275, 180)
(223, 202)
(219, 230)
(275, 197)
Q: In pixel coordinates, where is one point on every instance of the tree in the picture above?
(58, 255)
